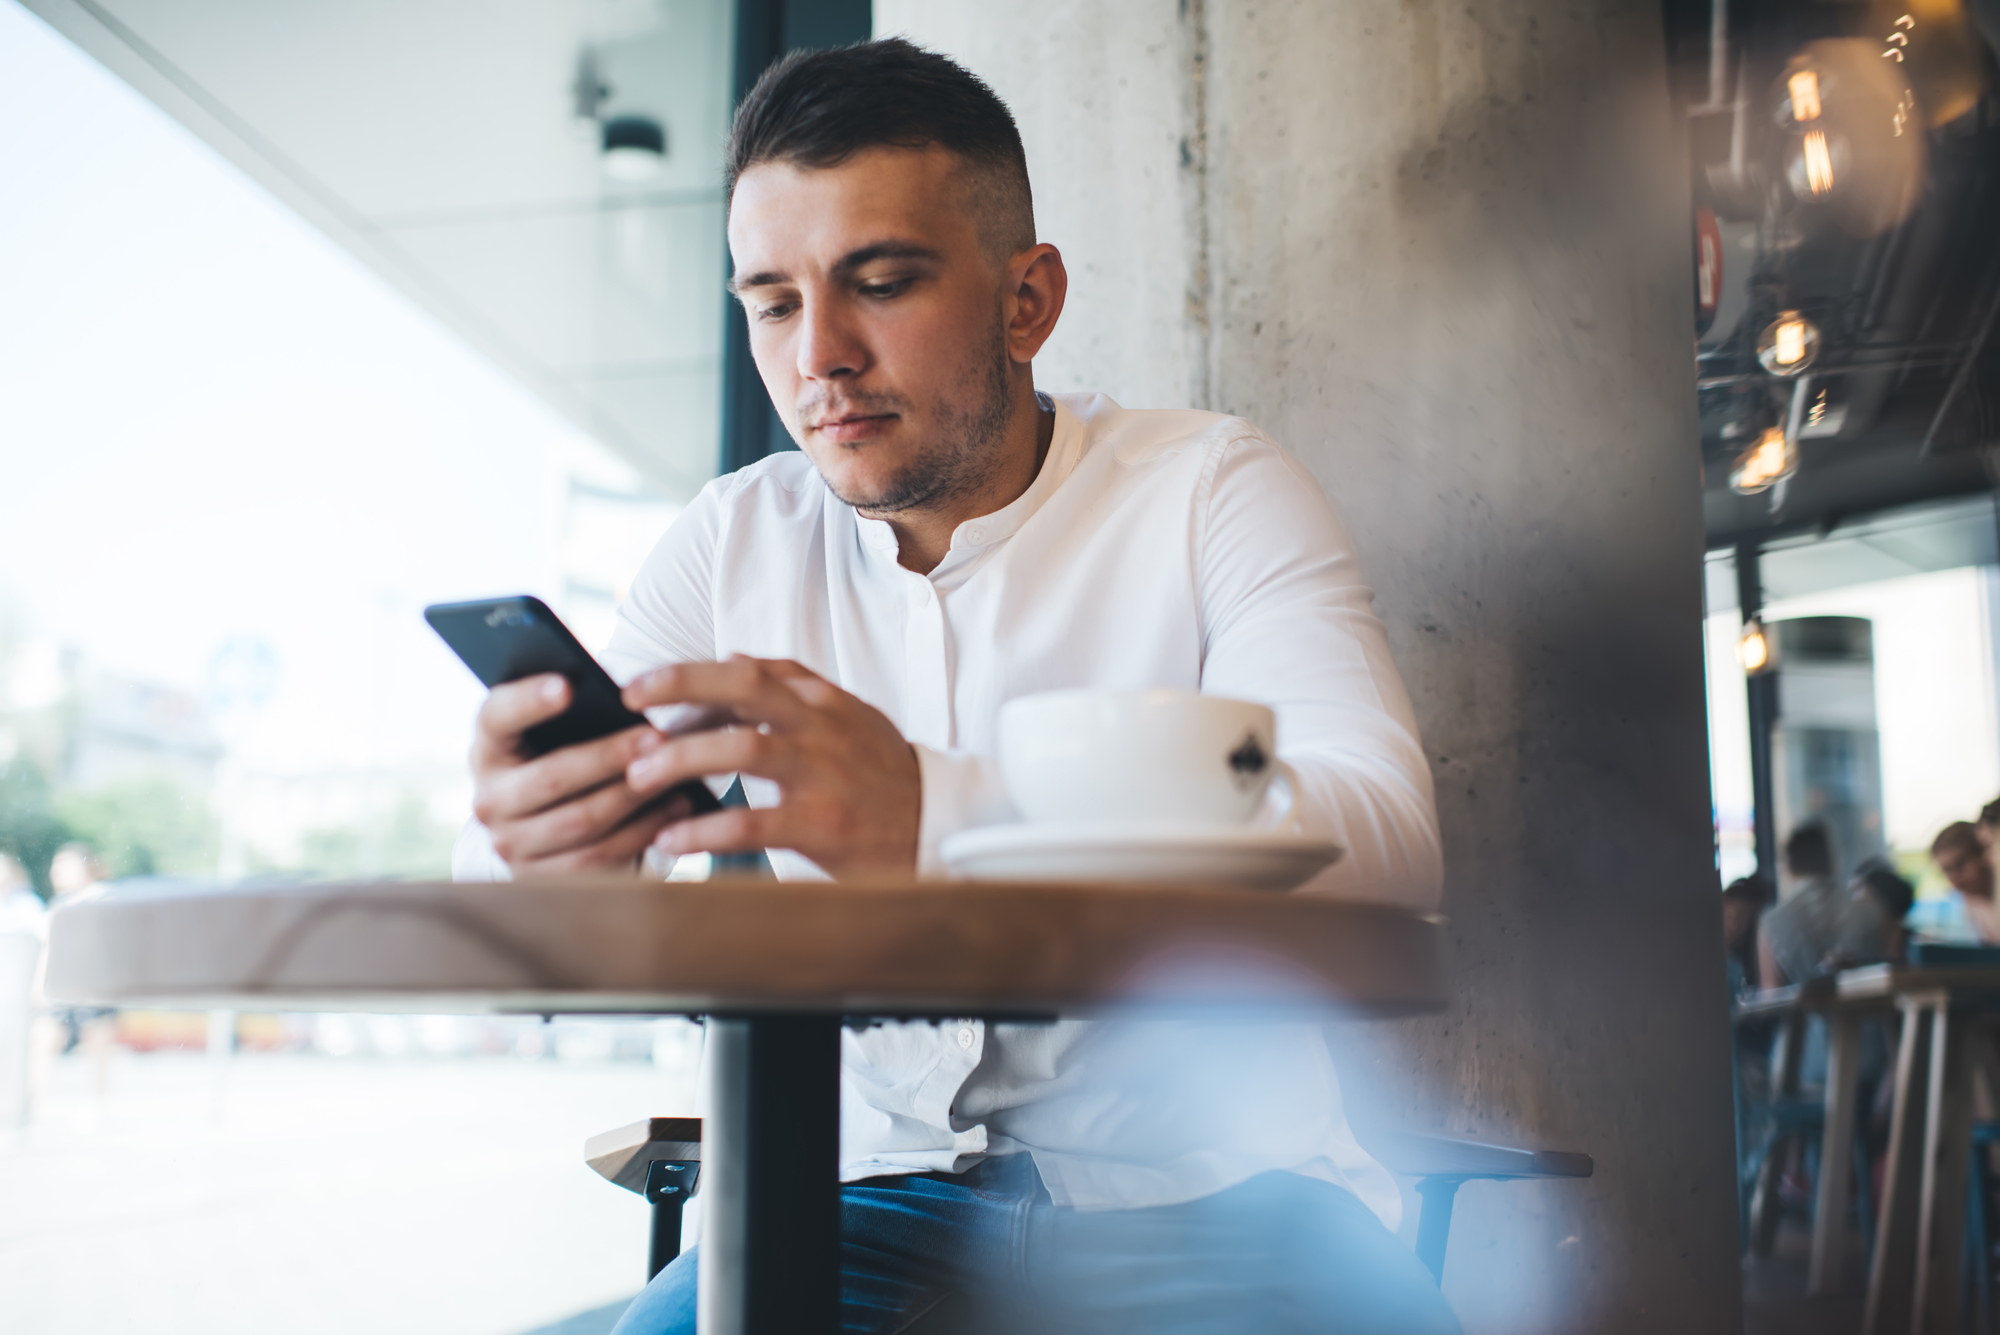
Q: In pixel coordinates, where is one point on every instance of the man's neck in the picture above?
(924, 536)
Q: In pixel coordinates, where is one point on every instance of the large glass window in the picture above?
(370, 320)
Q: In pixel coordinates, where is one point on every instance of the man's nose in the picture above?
(828, 348)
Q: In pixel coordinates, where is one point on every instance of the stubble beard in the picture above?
(963, 458)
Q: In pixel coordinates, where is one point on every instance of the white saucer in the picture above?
(1139, 851)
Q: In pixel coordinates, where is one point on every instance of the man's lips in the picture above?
(853, 426)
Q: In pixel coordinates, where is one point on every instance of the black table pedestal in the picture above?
(770, 1235)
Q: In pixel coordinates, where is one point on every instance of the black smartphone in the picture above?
(506, 639)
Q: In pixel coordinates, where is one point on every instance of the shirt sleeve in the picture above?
(667, 618)
(1287, 620)
(669, 615)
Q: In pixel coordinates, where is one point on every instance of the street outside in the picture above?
(305, 1193)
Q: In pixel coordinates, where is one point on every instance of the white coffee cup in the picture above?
(1165, 755)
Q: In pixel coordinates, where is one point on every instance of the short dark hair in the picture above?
(1749, 889)
(820, 108)
(1958, 835)
(1895, 894)
(1809, 852)
(1989, 815)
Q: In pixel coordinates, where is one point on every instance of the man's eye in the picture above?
(892, 288)
(776, 310)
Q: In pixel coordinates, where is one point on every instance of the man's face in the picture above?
(877, 322)
(1738, 918)
(1967, 870)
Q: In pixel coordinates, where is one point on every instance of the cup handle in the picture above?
(1286, 819)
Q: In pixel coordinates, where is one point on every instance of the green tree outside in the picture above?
(30, 828)
(147, 825)
(406, 843)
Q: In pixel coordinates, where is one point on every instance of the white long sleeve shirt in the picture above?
(1153, 549)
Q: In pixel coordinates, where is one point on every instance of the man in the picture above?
(1968, 866)
(1821, 919)
(948, 539)
(1743, 902)
(1894, 897)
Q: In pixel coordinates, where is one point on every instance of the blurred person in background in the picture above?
(1966, 863)
(75, 868)
(1893, 897)
(1988, 824)
(1743, 902)
(1822, 919)
(22, 932)
(20, 906)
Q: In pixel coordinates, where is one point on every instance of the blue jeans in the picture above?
(987, 1251)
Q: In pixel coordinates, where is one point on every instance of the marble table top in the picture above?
(628, 946)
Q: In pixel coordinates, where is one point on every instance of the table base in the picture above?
(770, 1239)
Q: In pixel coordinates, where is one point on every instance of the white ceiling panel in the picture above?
(438, 140)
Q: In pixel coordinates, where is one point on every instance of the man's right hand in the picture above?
(571, 809)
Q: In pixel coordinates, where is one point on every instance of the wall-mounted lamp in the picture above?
(635, 147)
(1770, 459)
(1753, 649)
(1788, 344)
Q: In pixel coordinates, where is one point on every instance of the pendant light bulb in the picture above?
(1753, 648)
(1803, 88)
(1788, 344)
(1760, 467)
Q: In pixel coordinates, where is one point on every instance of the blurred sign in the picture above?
(1707, 268)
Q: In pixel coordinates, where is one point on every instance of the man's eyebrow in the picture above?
(885, 250)
(768, 278)
(848, 263)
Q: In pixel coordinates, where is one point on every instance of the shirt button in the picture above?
(965, 1037)
(974, 534)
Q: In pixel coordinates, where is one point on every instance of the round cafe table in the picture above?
(776, 968)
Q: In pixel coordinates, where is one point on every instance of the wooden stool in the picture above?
(660, 1158)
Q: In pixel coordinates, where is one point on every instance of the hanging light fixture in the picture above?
(1771, 458)
(1753, 648)
(1845, 150)
(1788, 344)
(634, 147)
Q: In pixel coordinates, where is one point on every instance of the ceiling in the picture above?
(1889, 544)
(440, 141)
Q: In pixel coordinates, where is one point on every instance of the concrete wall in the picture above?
(1441, 251)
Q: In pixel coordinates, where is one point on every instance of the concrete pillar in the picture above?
(1441, 251)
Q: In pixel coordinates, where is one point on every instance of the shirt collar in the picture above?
(1065, 448)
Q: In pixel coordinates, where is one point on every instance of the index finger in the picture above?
(743, 685)
(513, 707)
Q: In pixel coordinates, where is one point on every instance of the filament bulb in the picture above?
(1804, 89)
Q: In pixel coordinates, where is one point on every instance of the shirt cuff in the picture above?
(473, 858)
(961, 790)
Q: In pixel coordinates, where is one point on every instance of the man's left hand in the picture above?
(850, 791)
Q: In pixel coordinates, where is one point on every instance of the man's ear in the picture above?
(1036, 286)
